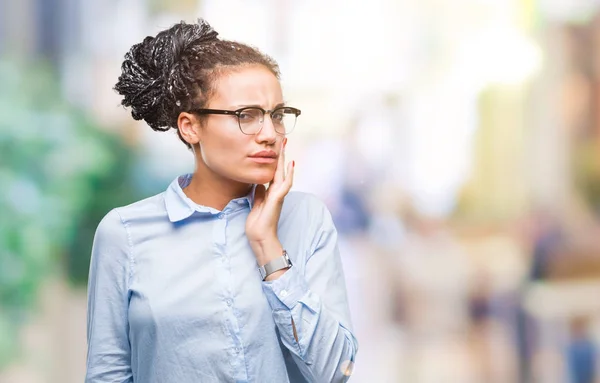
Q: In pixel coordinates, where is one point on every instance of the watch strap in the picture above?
(279, 263)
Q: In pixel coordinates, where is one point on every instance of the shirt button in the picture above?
(221, 215)
(284, 293)
(229, 302)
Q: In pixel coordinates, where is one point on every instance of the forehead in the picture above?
(249, 85)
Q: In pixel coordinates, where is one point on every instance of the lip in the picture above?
(264, 160)
(264, 154)
(264, 157)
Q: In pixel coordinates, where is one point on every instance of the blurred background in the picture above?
(456, 143)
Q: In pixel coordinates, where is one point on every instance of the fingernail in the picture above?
(293, 163)
(284, 141)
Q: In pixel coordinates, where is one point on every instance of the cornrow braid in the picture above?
(174, 71)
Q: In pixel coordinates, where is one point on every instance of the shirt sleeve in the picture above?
(318, 305)
(109, 353)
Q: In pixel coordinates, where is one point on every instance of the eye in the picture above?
(249, 115)
(278, 116)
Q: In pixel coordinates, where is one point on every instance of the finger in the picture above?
(289, 178)
(287, 183)
(267, 192)
(259, 195)
(277, 193)
(279, 172)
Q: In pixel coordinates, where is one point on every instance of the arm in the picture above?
(109, 355)
(311, 310)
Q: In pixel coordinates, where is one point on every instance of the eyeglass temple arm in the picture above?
(216, 111)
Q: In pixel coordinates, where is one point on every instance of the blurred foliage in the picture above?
(60, 174)
(181, 7)
(587, 172)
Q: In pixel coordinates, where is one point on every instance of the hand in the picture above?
(261, 224)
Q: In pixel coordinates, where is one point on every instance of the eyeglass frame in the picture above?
(237, 112)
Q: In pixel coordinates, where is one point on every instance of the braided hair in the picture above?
(174, 72)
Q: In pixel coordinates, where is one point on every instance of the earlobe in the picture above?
(188, 126)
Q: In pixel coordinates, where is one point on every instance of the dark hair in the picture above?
(174, 72)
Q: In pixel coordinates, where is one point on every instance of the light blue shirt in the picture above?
(175, 296)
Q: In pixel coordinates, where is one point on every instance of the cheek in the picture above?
(222, 153)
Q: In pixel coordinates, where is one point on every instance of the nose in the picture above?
(267, 133)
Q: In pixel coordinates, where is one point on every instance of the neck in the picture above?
(212, 190)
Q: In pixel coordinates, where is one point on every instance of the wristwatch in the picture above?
(277, 264)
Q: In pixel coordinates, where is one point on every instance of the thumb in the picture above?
(259, 194)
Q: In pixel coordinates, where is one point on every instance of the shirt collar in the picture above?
(180, 207)
(250, 196)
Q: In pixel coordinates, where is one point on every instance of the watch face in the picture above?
(287, 258)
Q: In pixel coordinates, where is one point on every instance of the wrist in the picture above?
(266, 250)
(275, 268)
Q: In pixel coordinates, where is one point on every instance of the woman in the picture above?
(217, 279)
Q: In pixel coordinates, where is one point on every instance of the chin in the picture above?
(261, 180)
(258, 177)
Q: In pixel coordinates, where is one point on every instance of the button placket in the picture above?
(219, 229)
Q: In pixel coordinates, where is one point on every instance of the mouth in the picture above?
(264, 157)
(263, 160)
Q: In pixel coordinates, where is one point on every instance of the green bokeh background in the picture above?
(60, 174)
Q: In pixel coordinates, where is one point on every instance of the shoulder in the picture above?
(116, 220)
(148, 206)
(111, 232)
(307, 215)
(296, 200)
(306, 209)
(111, 250)
(138, 211)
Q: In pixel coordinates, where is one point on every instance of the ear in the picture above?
(189, 127)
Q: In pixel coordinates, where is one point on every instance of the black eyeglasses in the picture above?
(251, 118)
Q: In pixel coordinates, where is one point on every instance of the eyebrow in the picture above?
(281, 104)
